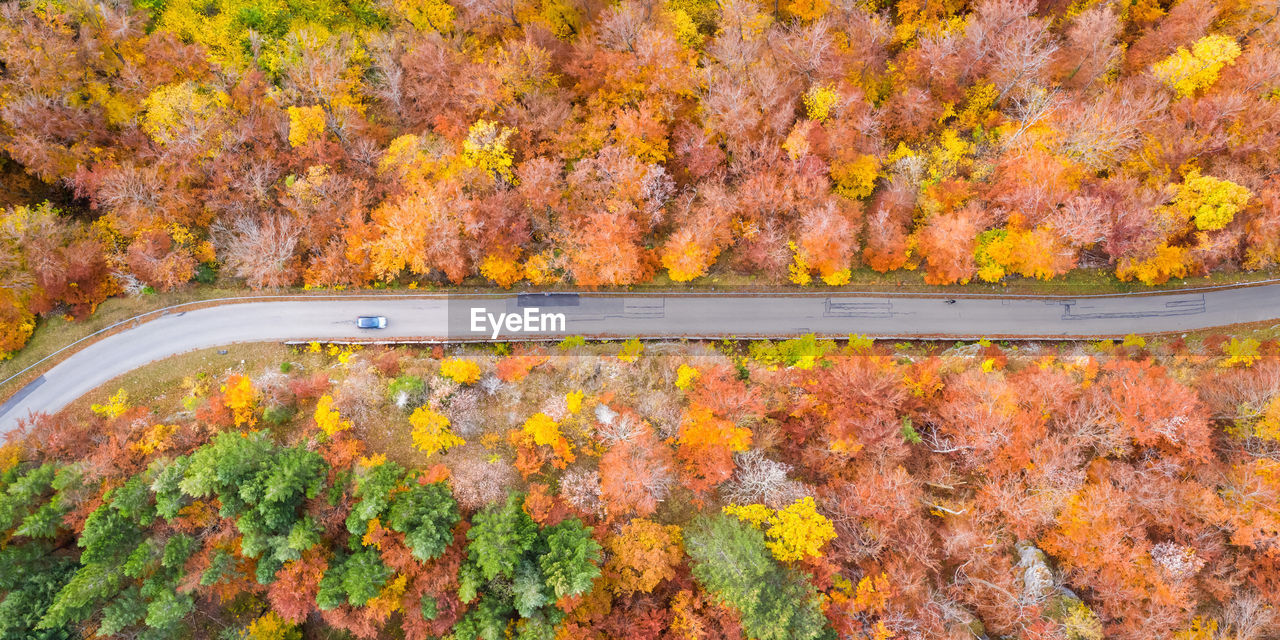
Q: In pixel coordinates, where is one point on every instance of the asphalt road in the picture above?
(606, 316)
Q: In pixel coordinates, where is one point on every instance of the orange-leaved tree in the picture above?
(641, 555)
(707, 443)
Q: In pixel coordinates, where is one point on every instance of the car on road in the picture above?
(371, 322)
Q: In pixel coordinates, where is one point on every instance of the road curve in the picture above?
(457, 317)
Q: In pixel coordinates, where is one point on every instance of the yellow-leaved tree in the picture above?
(1167, 262)
(242, 399)
(10, 456)
(546, 432)
(1189, 71)
(305, 124)
(460, 371)
(573, 401)
(272, 627)
(17, 323)
(1266, 426)
(486, 148)
(117, 404)
(1031, 253)
(756, 515)
(819, 101)
(688, 255)
(1241, 352)
(180, 112)
(328, 419)
(502, 269)
(799, 531)
(431, 431)
(434, 15)
(856, 178)
(631, 350)
(154, 439)
(798, 270)
(1209, 202)
(794, 533)
(686, 376)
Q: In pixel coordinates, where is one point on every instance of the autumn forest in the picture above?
(800, 489)
(594, 144)
(795, 490)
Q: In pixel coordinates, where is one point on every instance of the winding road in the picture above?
(672, 315)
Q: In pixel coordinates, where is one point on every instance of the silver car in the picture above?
(371, 322)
